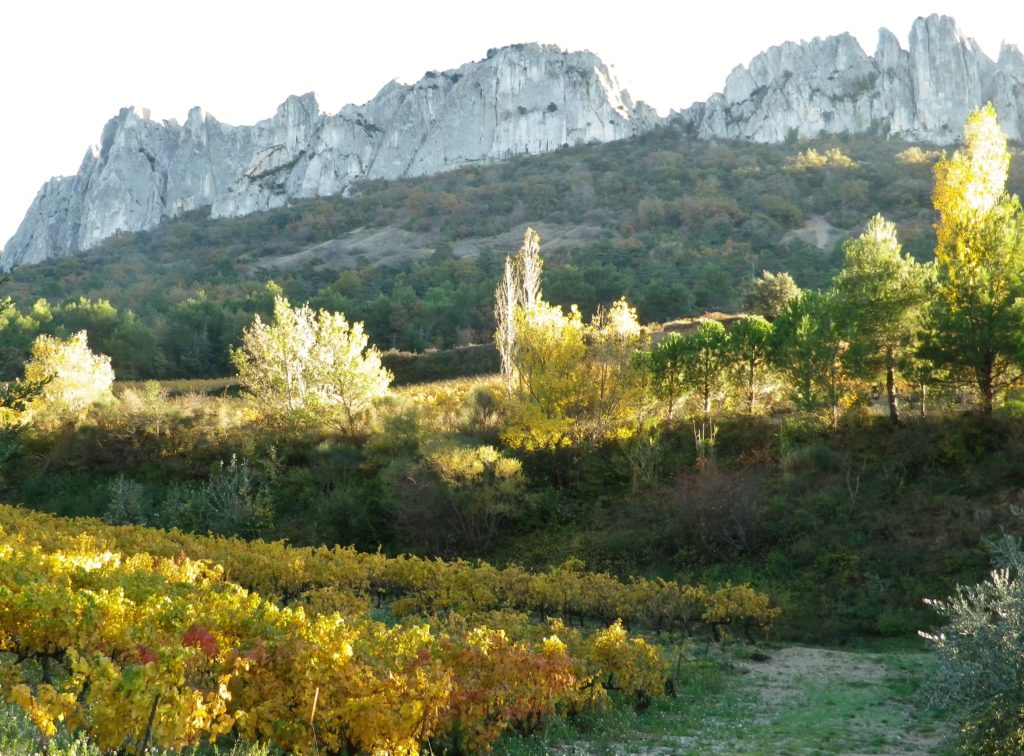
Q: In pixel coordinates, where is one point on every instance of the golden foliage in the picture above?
(969, 196)
(832, 158)
(74, 377)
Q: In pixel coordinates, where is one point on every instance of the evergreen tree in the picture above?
(749, 350)
(884, 294)
(810, 343)
(664, 363)
(703, 364)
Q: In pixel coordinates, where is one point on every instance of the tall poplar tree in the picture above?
(977, 322)
(519, 289)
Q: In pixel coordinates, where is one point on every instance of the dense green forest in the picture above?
(675, 225)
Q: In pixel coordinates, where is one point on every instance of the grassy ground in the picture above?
(178, 387)
(794, 700)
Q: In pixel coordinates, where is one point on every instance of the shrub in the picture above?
(981, 652)
(312, 363)
(457, 497)
(128, 505)
(74, 377)
(236, 500)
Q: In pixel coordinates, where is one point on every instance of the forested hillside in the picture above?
(676, 225)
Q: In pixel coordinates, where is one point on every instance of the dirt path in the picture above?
(790, 700)
(830, 701)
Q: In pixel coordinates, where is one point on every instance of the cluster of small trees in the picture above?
(703, 362)
(567, 381)
(302, 366)
(863, 331)
(959, 319)
(887, 322)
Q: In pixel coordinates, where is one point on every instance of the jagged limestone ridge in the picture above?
(520, 99)
(831, 85)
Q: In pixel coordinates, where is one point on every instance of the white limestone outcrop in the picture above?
(831, 85)
(520, 99)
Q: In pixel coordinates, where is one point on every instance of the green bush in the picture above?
(236, 500)
(128, 503)
(981, 651)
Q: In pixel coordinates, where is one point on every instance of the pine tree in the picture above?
(884, 294)
(749, 349)
(811, 339)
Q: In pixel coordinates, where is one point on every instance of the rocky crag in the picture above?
(520, 99)
(831, 85)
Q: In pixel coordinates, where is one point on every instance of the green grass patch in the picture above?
(179, 387)
(789, 699)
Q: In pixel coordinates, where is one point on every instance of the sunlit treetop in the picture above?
(878, 234)
(72, 376)
(973, 179)
(620, 320)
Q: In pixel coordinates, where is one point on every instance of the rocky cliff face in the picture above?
(833, 86)
(520, 99)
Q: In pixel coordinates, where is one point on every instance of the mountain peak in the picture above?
(831, 86)
(523, 98)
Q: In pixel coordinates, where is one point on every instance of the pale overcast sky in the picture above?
(67, 67)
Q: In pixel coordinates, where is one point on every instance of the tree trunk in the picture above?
(986, 384)
(890, 390)
(987, 397)
(750, 389)
(833, 394)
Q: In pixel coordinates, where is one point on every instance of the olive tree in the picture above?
(770, 294)
(980, 671)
